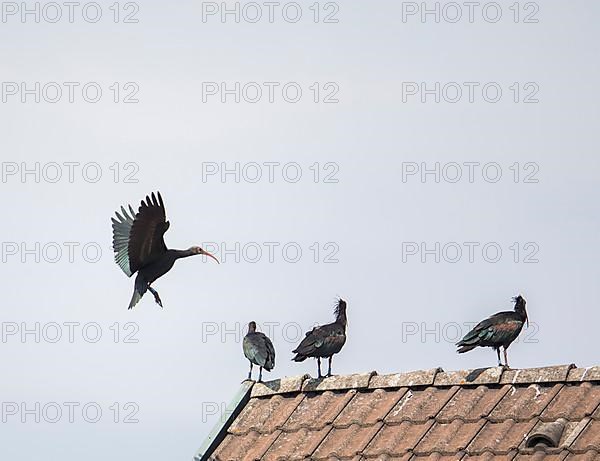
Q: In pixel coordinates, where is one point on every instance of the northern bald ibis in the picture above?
(324, 341)
(139, 246)
(259, 350)
(499, 330)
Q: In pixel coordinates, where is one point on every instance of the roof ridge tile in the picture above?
(279, 386)
(435, 377)
(478, 376)
(585, 374)
(416, 378)
(338, 383)
(551, 374)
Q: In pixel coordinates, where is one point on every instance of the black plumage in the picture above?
(139, 245)
(497, 331)
(259, 350)
(324, 341)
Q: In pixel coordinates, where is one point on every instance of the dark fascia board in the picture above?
(219, 431)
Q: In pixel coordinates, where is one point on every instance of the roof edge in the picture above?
(219, 430)
(436, 377)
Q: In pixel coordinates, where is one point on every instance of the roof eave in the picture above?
(219, 431)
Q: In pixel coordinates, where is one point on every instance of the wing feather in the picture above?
(259, 349)
(138, 237)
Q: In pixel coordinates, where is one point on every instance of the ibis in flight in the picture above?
(499, 330)
(139, 246)
(259, 350)
(324, 341)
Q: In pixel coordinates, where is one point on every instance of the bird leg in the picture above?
(319, 366)
(250, 372)
(329, 372)
(260, 375)
(499, 361)
(156, 297)
(505, 359)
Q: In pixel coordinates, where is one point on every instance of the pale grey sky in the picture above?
(360, 203)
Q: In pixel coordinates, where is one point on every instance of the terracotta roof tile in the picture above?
(591, 455)
(265, 415)
(541, 456)
(589, 439)
(436, 457)
(572, 431)
(249, 447)
(397, 439)
(317, 410)
(419, 406)
(501, 437)
(386, 457)
(368, 408)
(524, 402)
(295, 445)
(489, 456)
(484, 415)
(573, 402)
(449, 437)
(335, 458)
(347, 442)
(472, 404)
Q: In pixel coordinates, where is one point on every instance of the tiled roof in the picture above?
(548, 413)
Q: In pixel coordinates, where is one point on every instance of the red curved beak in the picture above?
(210, 256)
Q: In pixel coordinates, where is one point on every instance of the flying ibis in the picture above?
(139, 246)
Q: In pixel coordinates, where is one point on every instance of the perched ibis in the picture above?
(139, 246)
(259, 350)
(499, 330)
(324, 341)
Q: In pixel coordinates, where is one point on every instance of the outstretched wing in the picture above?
(121, 230)
(138, 240)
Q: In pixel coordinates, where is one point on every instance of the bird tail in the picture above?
(138, 291)
(269, 365)
(469, 342)
(472, 338)
(465, 349)
(299, 358)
